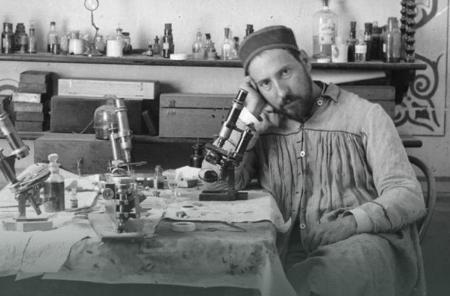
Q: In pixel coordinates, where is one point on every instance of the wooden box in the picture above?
(129, 89)
(75, 114)
(87, 152)
(192, 115)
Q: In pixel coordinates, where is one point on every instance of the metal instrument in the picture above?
(25, 186)
(227, 160)
(121, 194)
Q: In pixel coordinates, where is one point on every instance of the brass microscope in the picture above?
(227, 160)
(121, 194)
(27, 185)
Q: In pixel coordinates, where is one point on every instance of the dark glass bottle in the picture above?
(368, 40)
(248, 30)
(351, 42)
(168, 32)
(18, 35)
(377, 42)
(165, 46)
(197, 155)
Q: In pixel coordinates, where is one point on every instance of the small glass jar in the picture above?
(104, 119)
(100, 45)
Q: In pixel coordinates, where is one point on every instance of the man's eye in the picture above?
(285, 72)
(264, 84)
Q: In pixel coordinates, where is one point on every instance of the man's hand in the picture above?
(331, 232)
(254, 102)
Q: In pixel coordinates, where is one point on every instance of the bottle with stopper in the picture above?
(54, 187)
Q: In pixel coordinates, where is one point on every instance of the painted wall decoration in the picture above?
(423, 109)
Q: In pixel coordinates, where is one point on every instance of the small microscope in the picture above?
(227, 160)
(27, 185)
(121, 194)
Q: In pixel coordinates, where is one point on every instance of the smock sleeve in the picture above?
(400, 200)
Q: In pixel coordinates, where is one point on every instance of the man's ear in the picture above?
(305, 60)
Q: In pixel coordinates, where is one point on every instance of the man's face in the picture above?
(284, 82)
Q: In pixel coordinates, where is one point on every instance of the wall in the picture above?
(423, 112)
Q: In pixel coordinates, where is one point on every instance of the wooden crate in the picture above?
(129, 89)
(192, 115)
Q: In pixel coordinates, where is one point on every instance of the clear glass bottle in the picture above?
(7, 38)
(100, 44)
(393, 41)
(32, 40)
(53, 39)
(156, 46)
(198, 52)
(351, 42)
(324, 32)
(54, 187)
(360, 49)
(227, 45)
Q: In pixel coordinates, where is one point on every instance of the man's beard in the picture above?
(297, 108)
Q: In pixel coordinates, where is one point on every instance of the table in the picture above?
(218, 258)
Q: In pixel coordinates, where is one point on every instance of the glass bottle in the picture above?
(324, 32)
(19, 40)
(351, 42)
(53, 39)
(198, 52)
(393, 41)
(156, 46)
(100, 44)
(32, 40)
(368, 40)
(7, 38)
(126, 43)
(165, 46)
(248, 30)
(54, 187)
(360, 50)
(235, 49)
(23, 43)
(197, 156)
(383, 42)
(376, 42)
(227, 45)
(104, 119)
(168, 32)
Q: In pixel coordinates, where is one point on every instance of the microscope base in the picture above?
(25, 225)
(226, 195)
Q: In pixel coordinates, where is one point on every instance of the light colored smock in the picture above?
(347, 157)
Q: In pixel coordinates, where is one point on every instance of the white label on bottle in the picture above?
(166, 45)
(384, 47)
(327, 32)
(361, 48)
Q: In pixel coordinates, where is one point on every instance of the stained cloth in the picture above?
(348, 155)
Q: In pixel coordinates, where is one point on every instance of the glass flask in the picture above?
(104, 119)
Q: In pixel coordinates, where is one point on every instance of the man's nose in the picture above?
(281, 91)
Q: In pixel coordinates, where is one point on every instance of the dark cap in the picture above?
(264, 39)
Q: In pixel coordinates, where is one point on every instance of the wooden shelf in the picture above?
(137, 59)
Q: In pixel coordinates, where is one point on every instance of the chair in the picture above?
(429, 195)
